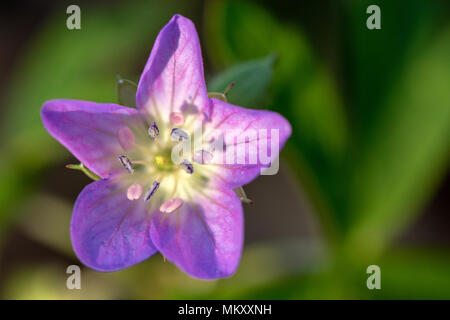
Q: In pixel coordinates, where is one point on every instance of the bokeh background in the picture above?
(364, 179)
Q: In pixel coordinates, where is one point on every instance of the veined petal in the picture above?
(173, 78)
(110, 232)
(93, 132)
(204, 236)
(251, 140)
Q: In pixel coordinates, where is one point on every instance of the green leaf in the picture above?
(251, 80)
(401, 163)
(396, 154)
(376, 59)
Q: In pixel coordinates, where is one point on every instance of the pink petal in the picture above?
(249, 125)
(94, 132)
(173, 79)
(108, 231)
(204, 237)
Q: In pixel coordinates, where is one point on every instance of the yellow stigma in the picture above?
(160, 160)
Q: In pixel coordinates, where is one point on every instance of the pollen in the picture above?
(176, 119)
(134, 191)
(171, 205)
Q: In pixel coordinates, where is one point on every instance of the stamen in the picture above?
(171, 205)
(176, 119)
(152, 190)
(179, 135)
(202, 157)
(134, 191)
(187, 166)
(126, 163)
(153, 130)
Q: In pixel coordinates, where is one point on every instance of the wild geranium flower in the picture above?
(145, 201)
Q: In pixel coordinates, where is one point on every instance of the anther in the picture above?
(176, 119)
(126, 163)
(202, 157)
(179, 135)
(171, 205)
(152, 190)
(187, 166)
(134, 191)
(153, 130)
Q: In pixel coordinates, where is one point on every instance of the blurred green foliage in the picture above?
(370, 166)
(251, 79)
(369, 145)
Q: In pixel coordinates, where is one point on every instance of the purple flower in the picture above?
(145, 202)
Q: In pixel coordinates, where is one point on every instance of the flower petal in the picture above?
(173, 78)
(93, 132)
(204, 236)
(108, 231)
(251, 140)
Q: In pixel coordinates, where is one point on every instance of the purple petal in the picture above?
(110, 232)
(93, 132)
(243, 132)
(173, 79)
(203, 237)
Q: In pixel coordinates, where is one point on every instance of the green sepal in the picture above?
(220, 95)
(242, 195)
(217, 95)
(126, 92)
(83, 169)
